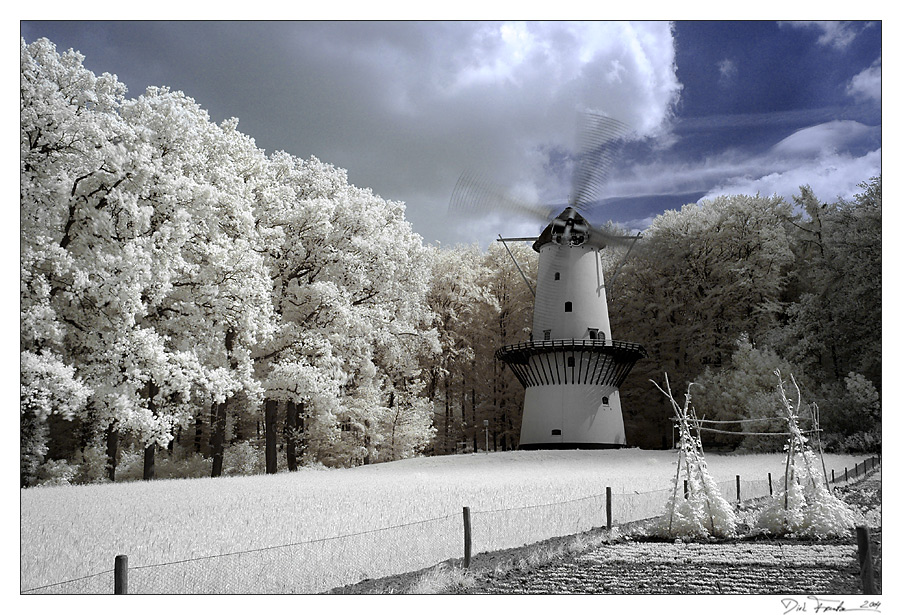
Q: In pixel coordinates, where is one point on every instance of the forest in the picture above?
(193, 306)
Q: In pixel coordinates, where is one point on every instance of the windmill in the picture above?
(571, 368)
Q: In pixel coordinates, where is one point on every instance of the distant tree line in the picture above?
(726, 291)
(193, 306)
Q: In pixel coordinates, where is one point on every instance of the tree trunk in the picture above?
(150, 391)
(149, 462)
(212, 423)
(112, 450)
(218, 419)
(291, 427)
(367, 442)
(475, 424)
(217, 439)
(198, 433)
(448, 448)
(394, 423)
(270, 412)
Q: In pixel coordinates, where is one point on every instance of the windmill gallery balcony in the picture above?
(571, 361)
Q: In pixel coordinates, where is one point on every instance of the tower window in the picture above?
(568, 306)
(604, 400)
(593, 334)
(547, 334)
(555, 432)
(557, 275)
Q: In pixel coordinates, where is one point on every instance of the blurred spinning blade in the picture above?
(601, 140)
(475, 195)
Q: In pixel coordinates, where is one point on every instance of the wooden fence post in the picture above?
(864, 559)
(607, 507)
(686, 489)
(832, 475)
(770, 484)
(738, 494)
(120, 575)
(468, 538)
(846, 470)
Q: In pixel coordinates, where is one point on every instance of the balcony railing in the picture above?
(571, 361)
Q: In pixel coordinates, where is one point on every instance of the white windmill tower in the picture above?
(571, 368)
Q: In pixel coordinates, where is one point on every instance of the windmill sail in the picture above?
(601, 140)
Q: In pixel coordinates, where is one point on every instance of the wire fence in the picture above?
(319, 565)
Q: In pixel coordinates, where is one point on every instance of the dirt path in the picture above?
(623, 566)
(772, 567)
(724, 567)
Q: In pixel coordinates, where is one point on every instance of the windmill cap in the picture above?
(569, 215)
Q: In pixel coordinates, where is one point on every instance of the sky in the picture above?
(712, 107)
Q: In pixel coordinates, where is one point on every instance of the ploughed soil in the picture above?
(626, 562)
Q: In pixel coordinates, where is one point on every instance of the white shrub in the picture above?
(807, 508)
(54, 472)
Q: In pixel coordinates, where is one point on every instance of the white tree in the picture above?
(698, 278)
(455, 294)
(139, 246)
(212, 290)
(505, 314)
(83, 265)
(744, 392)
(348, 286)
(179, 271)
(48, 386)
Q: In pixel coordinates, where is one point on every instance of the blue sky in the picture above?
(715, 107)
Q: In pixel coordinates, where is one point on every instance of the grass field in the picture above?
(285, 530)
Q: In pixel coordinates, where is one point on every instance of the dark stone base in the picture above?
(563, 446)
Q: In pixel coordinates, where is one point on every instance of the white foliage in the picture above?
(174, 265)
(803, 504)
(699, 511)
(807, 508)
(49, 386)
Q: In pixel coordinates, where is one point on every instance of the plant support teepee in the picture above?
(803, 505)
(701, 511)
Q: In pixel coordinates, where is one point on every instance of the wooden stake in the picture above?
(864, 559)
(608, 508)
(120, 575)
(468, 538)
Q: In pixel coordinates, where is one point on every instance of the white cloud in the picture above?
(496, 97)
(728, 71)
(866, 85)
(836, 34)
(830, 177)
(833, 158)
(406, 107)
(838, 135)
